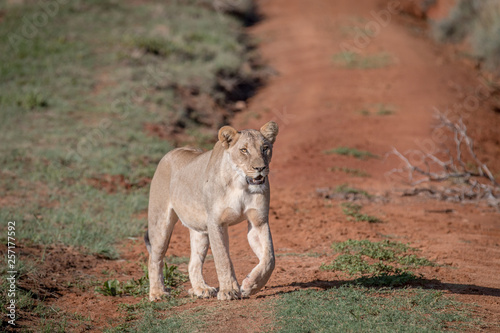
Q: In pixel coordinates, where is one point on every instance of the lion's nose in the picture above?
(259, 169)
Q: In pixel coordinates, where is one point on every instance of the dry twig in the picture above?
(468, 178)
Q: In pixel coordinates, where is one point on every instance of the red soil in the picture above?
(317, 104)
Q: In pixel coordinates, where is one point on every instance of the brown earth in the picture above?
(317, 105)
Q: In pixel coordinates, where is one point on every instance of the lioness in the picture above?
(208, 192)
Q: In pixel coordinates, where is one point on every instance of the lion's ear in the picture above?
(270, 131)
(227, 135)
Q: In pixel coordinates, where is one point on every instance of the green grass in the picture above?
(75, 98)
(24, 298)
(360, 309)
(174, 260)
(147, 316)
(384, 110)
(353, 60)
(378, 109)
(93, 220)
(383, 263)
(173, 280)
(52, 319)
(150, 322)
(353, 264)
(346, 189)
(345, 309)
(300, 255)
(162, 317)
(353, 152)
(350, 171)
(353, 211)
(380, 250)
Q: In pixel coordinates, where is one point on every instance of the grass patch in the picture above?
(175, 260)
(353, 152)
(385, 110)
(303, 255)
(378, 250)
(173, 279)
(80, 90)
(350, 171)
(53, 319)
(383, 263)
(378, 109)
(24, 298)
(117, 288)
(356, 264)
(346, 189)
(107, 217)
(359, 309)
(353, 60)
(76, 97)
(29, 302)
(353, 211)
(147, 316)
(151, 322)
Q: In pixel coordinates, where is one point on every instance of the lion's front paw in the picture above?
(248, 288)
(203, 292)
(226, 295)
(245, 293)
(158, 294)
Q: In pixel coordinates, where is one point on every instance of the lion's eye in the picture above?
(265, 148)
(244, 150)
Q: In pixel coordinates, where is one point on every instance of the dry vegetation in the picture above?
(478, 22)
(462, 175)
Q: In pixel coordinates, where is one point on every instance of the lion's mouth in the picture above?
(259, 180)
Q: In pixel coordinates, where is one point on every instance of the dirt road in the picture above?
(319, 105)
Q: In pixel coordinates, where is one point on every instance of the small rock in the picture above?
(239, 106)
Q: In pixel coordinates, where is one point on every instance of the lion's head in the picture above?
(250, 150)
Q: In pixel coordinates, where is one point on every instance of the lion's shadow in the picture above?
(431, 284)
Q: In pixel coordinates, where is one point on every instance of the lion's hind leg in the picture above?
(199, 248)
(157, 239)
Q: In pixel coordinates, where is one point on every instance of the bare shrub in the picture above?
(462, 175)
(479, 21)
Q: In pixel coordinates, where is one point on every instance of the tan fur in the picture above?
(208, 192)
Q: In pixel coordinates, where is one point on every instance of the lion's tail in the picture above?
(146, 240)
